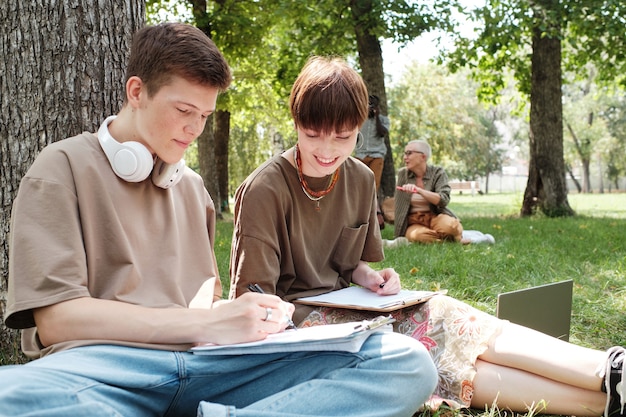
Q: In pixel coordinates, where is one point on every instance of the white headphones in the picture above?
(132, 162)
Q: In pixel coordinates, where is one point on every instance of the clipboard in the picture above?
(359, 298)
(345, 337)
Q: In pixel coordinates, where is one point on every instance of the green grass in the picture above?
(589, 248)
(529, 252)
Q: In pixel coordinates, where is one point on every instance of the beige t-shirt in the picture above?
(287, 246)
(77, 230)
(419, 204)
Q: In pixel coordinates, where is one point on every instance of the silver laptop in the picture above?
(547, 308)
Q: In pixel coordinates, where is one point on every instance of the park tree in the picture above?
(546, 187)
(586, 129)
(61, 73)
(485, 156)
(528, 37)
(615, 116)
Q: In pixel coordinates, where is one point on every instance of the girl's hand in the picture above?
(383, 282)
(391, 282)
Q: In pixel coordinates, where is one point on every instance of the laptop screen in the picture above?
(547, 308)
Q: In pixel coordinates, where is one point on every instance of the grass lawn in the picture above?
(589, 248)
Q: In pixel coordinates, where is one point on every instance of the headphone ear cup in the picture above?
(167, 175)
(132, 162)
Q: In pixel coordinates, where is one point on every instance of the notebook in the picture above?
(547, 308)
(346, 337)
(359, 298)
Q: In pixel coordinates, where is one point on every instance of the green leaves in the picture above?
(593, 31)
(429, 103)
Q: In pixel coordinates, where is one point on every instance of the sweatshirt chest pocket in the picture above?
(349, 248)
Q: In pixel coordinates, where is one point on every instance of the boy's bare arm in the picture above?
(88, 318)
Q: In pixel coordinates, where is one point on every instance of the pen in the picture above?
(257, 288)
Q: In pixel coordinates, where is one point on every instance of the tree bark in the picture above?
(61, 73)
(222, 133)
(546, 187)
(371, 62)
(583, 154)
(207, 164)
(573, 178)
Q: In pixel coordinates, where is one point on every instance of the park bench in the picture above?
(461, 186)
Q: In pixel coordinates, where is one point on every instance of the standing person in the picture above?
(113, 278)
(421, 199)
(298, 232)
(373, 149)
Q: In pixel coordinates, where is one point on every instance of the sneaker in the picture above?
(615, 382)
(395, 243)
(475, 237)
(402, 241)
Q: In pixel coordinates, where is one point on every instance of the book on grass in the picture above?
(346, 337)
(359, 298)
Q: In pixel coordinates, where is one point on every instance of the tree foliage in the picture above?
(268, 41)
(592, 31)
(431, 104)
(615, 116)
(585, 130)
(595, 136)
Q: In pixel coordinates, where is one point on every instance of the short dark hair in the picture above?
(328, 96)
(176, 49)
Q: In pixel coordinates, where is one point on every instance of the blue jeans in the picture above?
(392, 375)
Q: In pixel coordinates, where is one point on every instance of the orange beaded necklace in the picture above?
(313, 195)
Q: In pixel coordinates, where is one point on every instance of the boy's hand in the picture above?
(248, 318)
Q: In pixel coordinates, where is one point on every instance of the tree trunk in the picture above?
(487, 174)
(222, 133)
(573, 178)
(586, 175)
(62, 72)
(206, 140)
(546, 187)
(207, 164)
(600, 176)
(371, 62)
(582, 151)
